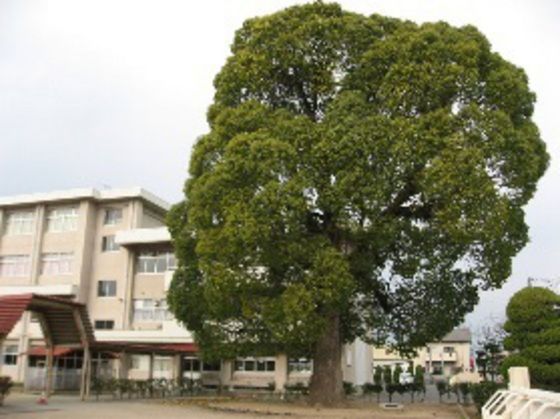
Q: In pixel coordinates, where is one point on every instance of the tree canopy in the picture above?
(533, 327)
(363, 169)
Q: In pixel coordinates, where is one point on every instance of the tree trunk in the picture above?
(326, 382)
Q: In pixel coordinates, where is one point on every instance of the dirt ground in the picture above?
(24, 406)
(353, 410)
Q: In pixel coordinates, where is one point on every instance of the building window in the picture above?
(191, 364)
(155, 262)
(162, 364)
(211, 366)
(255, 364)
(149, 310)
(62, 219)
(106, 288)
(20, 222)
(196, 365)
(15, 265)
(300, 365)
(448, 349)
(135, 362)
(113, 216)
(104, 324)
(56, 263)
(108, 244)
(10, 355)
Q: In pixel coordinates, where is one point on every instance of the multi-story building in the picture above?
(447, 357)
(111, 250)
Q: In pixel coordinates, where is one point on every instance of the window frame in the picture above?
(251, 365)
(150, 310)
(157, 258)
(111, 221)
(60, 258)
(12, 355)
(106, 241)
(300, 365)
(19, 218)
(62, 219)
(15, 266)
(101, 288)
(104, 322)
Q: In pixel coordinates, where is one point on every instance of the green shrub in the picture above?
(464, 390)
(6, 384)
(97, 386)
(483, 391)
(391, 389)
(297, 388)
(441, 388)
(368, 389)
(349, 388)
(271, 386)
(378, 375)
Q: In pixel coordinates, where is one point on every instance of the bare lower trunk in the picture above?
(326, 382)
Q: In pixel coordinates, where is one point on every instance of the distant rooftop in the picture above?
(86, 193)
(458, 335)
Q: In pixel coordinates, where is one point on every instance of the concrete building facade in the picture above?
(110, 250)
(447, 357)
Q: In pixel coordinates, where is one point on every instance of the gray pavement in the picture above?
(24, 406)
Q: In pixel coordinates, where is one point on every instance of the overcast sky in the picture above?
(114, 93)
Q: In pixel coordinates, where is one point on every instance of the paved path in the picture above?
(24, 406)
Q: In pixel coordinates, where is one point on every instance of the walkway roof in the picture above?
(65, 322)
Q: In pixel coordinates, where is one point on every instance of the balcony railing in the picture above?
(152, 314)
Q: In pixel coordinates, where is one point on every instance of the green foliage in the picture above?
(369, 389)
(354, 165)
(142, 388)
(387, 375)
(481, 392)
(419, 375)
(378, 375)
(6, 384)
(491, 352)
(441, 388)
(533, 325)
(349, 388)
(397, 374)
(465, 391)
(297, 388)
(391, 389)
(454, 388)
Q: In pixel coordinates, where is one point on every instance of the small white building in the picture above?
(447, 357)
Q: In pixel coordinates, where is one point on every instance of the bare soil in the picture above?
(351, 410)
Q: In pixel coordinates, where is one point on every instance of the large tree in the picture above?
(363, 177)
(533, 327)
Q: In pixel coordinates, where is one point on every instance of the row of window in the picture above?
(255, 364)
(144, 309)
(150, 310)
(60, 263)
(58, 220)
(248, 364)
(446, 349)
(10, 356)
(155, 262)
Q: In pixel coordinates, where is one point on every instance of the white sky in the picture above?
(114, 93)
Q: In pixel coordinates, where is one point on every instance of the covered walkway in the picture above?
(64, 323)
